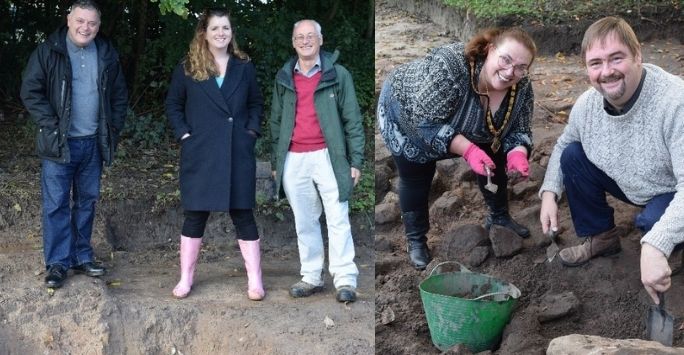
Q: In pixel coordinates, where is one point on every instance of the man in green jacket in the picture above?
(318, 141)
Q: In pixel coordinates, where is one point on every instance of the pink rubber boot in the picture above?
(251, 254)
(189, 251)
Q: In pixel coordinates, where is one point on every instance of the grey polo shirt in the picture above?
(85, 97)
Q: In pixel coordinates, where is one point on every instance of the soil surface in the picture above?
(604, 297)
(130, 310)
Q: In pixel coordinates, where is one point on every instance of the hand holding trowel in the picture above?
(489, 186)
(552, 250)
(660, 323)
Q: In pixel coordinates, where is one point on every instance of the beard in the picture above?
(616, 93)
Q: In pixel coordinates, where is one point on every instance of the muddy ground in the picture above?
(130, 310)
(610, 300)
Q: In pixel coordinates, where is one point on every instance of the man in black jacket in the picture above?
(75, 91)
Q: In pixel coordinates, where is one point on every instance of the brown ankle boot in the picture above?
(602, 244)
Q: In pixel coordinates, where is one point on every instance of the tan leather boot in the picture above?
(679, 268)
(602, 244)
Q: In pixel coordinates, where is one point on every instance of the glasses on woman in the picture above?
(506, 62)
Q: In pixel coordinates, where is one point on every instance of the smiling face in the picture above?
(613, 70)
(218, 33)
(506, 64)
(83, 26)
(306, 40)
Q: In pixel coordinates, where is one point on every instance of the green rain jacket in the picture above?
(338, 113)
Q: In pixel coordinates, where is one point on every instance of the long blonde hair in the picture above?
(199, 63)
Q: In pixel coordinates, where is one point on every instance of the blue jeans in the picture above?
(586, 187)
(70, 192)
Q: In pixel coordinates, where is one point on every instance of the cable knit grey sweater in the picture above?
(643, 150)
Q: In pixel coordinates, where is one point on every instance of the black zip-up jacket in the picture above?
(46, 93)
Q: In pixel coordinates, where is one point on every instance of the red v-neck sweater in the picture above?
(307, 135)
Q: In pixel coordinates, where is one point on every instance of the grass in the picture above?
(554, 11)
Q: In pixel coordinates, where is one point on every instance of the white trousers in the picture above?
(310, 187)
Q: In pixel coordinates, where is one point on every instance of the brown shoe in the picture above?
(602, 244)
(679, 268)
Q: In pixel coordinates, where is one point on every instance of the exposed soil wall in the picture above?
(550, 38)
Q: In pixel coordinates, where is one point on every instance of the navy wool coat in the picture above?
(217, 161)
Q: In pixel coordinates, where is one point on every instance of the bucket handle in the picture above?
(463, 268)
(509, 290)
(490, 295)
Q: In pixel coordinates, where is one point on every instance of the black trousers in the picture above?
(243, 220)
(415, 180)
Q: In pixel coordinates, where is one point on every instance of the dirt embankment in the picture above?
(130, 310)
(602, 298)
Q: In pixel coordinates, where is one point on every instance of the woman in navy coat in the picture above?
(215, 107)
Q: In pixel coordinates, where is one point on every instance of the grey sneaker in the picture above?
(346, 294)
(304, 289)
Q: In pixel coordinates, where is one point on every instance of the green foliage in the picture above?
(546, 11)
(269, 207)
(363, 197)
(164, 200)
(173, 6)
(146, 131)
(490, 8)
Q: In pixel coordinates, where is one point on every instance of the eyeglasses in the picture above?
(505, 61)
(303, 39)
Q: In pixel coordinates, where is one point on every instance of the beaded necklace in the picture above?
(496, 142)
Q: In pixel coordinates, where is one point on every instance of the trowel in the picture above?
(489, 186)
(552, 249)
(660, 323)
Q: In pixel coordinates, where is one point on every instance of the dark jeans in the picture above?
(243, 220)
(68, 225)
(586, 188)
(415, 180)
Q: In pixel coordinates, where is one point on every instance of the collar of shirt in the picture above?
(74, 49)
(315, 69)
(613, 111)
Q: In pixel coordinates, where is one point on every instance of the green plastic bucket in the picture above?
(467, 308)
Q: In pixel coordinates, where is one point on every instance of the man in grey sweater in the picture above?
(625, 137)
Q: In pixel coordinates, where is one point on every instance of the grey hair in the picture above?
(86, 4)
(317, 26)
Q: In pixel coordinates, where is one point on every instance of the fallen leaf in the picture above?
(17, 207)
(328, 322)
(387, 316)
(114, 283)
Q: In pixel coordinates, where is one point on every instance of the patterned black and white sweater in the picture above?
(425, 103)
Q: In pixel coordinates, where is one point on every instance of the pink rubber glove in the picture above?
(477, 159)
(517, 161)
